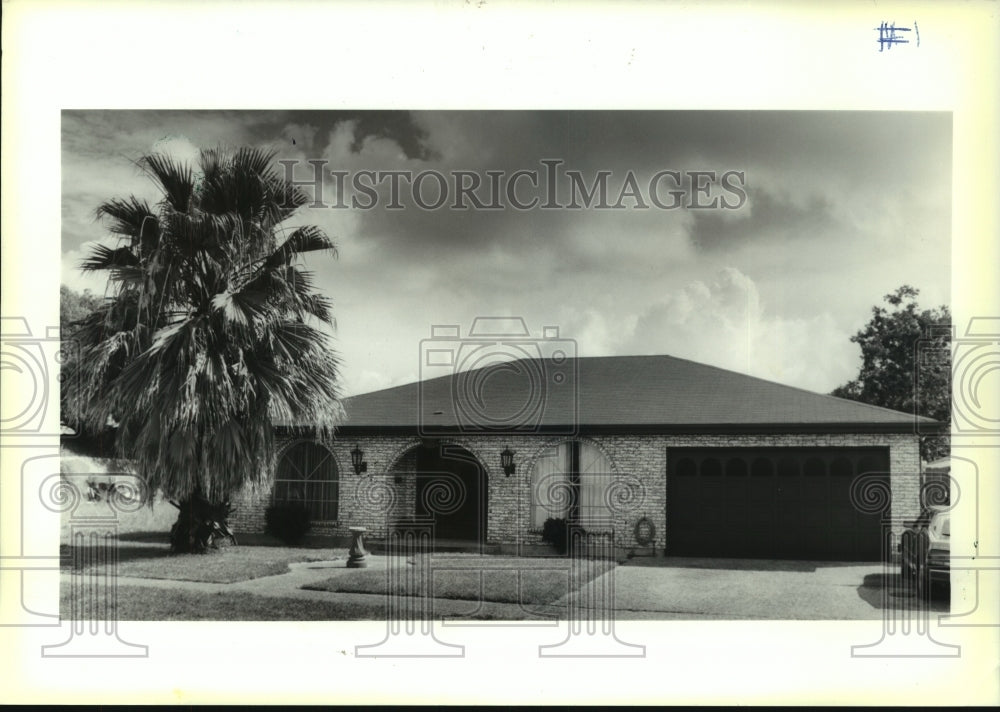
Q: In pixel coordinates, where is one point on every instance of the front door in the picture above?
(451, 490)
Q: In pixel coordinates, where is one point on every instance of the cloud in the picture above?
(843, 208)
(367, 381)
(766, 219)
(725, 324)
(179, 148)
(78, 280)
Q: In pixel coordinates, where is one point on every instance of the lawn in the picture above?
(139, 603)
(226, 565)
(144, 523)
(525, 581)
(143, 548)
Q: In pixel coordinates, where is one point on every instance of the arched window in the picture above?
(550, 485)
(571, 481)
(307, 474)
(595, 481)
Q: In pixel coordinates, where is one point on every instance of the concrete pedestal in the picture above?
(358, 558)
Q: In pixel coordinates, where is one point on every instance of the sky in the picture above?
(827, 212)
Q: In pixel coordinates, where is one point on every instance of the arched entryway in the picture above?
(451, 489)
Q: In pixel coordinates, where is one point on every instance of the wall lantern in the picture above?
(357, 459)
(507, 461)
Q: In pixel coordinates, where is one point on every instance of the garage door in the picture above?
(771, 503)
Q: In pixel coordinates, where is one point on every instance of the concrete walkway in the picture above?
(683, 589)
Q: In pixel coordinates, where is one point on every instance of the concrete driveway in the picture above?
(740, 589)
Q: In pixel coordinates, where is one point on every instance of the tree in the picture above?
(906, 363)
(74, 309)
(209, 335)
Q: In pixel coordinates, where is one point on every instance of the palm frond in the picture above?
(174, 179)
(308, 238)
(102, 257)
(205, 339)
(132, 218)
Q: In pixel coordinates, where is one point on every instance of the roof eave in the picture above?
(914, 428)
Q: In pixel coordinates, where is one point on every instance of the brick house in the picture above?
(670, 455)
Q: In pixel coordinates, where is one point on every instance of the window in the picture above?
(307, 474)
(550, 485)
(571, 481)
(595, 481)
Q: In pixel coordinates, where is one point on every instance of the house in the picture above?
(670, 455)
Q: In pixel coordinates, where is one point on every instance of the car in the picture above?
(925, 550)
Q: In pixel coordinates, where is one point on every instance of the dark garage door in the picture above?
(771, 503)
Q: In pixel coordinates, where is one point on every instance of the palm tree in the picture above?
(208, 334)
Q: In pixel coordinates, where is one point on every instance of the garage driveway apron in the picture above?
(741, 589)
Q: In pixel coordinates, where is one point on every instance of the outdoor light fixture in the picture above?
(357, 459)
(507, 460)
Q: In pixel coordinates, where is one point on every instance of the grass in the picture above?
(143, 549)
(511, 580)
(139, 603)
(226, 565)
(144, 522)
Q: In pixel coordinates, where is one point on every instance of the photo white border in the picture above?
(453, 55)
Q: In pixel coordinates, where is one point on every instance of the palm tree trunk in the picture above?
(200, 525)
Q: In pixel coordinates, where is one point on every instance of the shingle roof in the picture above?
(613, 392)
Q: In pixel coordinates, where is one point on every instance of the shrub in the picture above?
(554, 532)
(288, 521)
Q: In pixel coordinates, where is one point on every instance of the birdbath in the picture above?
(358, 558)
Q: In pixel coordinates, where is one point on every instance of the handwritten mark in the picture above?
(888, 35)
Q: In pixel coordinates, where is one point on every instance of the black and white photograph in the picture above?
(410, 382)
(548, 336)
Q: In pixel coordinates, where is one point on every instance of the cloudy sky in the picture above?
(841, 208)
